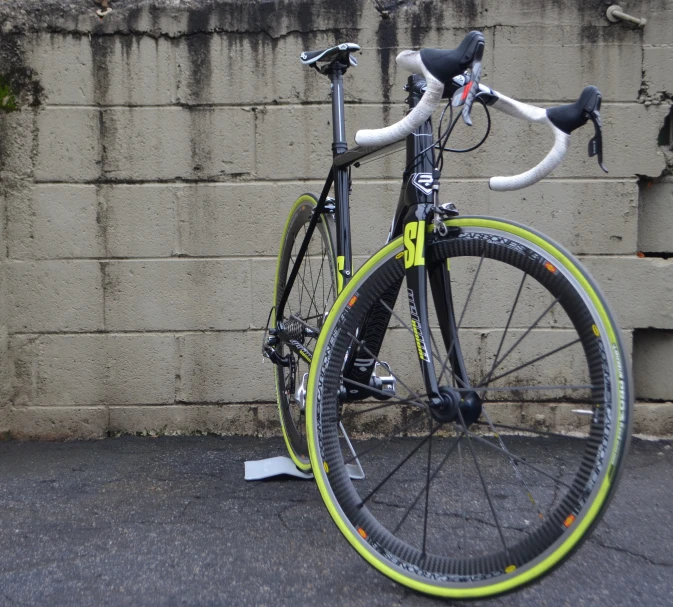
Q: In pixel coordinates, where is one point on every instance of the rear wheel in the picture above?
(493, 497)
(311, 297)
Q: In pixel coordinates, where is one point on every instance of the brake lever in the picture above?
(467, 93)
(592, 112)
(596, 142)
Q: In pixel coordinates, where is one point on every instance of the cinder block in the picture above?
(652, 364)
(262, 286)
(224, 367)
(177, 294)
(218, 219)
(55, 296)
(555, 61)
(268, 419)
(58, 423)
(172, 143)
(640, 291)
(383, 422)
(655, 218)
(139, 220)
(4, 310)
(656, 63)
(228, 420)
(653, 419)
(5, 383)
(54, 221)
(220, 68)
(103, 369)
(68, 145)
(659, 20)
(17, 144)
(295, 141)
(133, 70)
(64, 66)
(3, 241)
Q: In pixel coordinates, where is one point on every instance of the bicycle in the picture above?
(470, 490)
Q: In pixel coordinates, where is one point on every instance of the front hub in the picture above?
(453, 401)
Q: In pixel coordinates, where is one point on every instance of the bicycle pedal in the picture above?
(385, 383)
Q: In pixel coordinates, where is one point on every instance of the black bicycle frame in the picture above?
(412, 220)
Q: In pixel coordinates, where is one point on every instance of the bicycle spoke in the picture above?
(518, 341)
(310, 275)
(521, 429)
(303, 284)
(483, 482)
(462, 314)
(427, 488)
(445, 366)
(469, 293)
(462, 495)
(531, 362)
(435, 352)
(404, 324)
(315, 287)
(517, 458)
(434, 474)
(515, 466)
(517, 388)
(404, 461)
(380, 444)
(509, 320)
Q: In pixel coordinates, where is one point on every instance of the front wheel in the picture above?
(480, 503)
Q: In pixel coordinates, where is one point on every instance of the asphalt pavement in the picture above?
(171, 521)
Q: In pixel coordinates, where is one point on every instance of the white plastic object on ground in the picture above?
(411, 61)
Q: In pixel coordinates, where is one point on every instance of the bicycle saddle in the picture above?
(312, 57)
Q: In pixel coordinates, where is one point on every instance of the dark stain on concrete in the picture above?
(19, 83)
(200, 66)
(102, 51)
(387, 41)
(102, 216)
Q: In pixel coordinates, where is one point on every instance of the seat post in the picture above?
(339, 145)
(341, 179)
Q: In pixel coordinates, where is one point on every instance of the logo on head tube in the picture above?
(423, 181)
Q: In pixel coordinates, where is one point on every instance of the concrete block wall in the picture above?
(156, 153)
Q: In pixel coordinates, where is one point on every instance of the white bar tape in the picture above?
(411, 61)
(555, 156)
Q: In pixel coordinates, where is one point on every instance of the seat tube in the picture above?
(341, 183)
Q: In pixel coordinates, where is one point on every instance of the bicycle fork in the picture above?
(449, 394)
